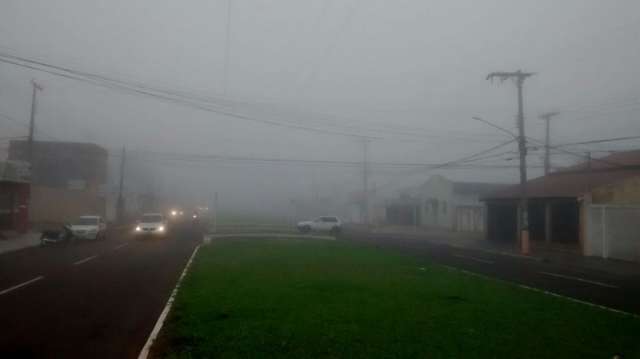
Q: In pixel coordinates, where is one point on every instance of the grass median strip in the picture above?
(302, 298)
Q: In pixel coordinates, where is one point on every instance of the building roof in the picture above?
(575, 181)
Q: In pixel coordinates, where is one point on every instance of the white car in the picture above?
(89, 227)
(321, 224)
(151, 224)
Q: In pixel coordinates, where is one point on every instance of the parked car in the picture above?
(321, 224)
(89, 227)
(152, 224)
(63, 235)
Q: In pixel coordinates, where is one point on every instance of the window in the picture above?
(329, 219)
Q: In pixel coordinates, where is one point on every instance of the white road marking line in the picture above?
(120, 246)
(474, 259)
(144, 353)
(579, 279)
(21, 285)
(542, 291)
(85, 260)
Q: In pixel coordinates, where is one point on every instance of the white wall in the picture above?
(612, 232)
(436, 197)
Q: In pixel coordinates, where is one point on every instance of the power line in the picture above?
(261, 161)
(199, 158)
(167, 96)
(191, 97)
(448, 164)
(193, 100)
(331, 46)
(177, 97)
(580, 155)
(598, 141)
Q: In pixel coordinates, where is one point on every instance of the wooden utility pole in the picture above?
(547, 156)
(32, 121)
(523, 221)
(365, 181)
(227, 47)
(120, 204)
(215, 212)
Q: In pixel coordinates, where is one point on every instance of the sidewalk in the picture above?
(559, 255)
(12, 241)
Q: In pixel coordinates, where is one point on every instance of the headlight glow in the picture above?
(138, 229)
(174, 213)
(161, 229)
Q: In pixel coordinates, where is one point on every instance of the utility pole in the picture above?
(227, 47)
(365, 181)
(120, 203)
(523, 221)
(547, 160)
(32, 122)
(215, 212)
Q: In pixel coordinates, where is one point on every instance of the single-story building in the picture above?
(14, 196)
(562, 206)
(442, 203)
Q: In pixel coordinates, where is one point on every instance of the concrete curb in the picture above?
(268, 235)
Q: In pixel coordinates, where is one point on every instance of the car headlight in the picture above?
(138, 229)
(161, 229)
(174, 213)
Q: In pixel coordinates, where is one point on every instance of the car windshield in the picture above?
(86, 221)
(151, 218)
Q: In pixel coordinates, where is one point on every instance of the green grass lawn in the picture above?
(330, 299)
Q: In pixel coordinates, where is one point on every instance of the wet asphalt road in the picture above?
(88, 299)
(102, 299)
(616, 291)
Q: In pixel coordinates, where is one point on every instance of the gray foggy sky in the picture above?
(404, 66)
